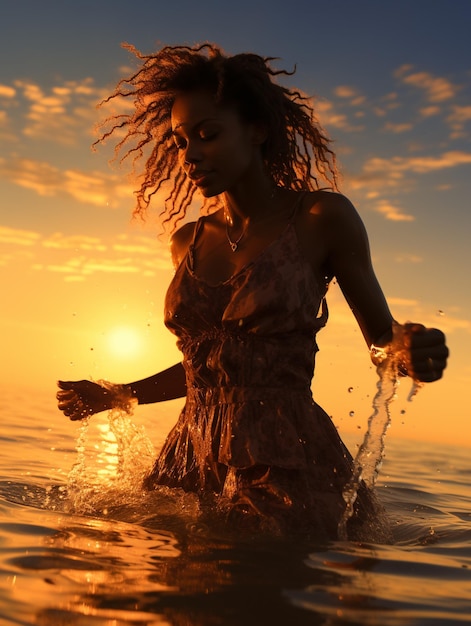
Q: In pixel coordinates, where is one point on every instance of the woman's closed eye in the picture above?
(181, 143)
(208, 136)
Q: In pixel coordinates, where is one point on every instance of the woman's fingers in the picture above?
(70, 401)
(82, 398)
(428, 352)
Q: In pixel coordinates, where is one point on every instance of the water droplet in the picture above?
(352, 413)
(403, 411)
(350, 389)
(440, 313)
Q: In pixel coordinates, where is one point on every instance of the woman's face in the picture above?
(217, 150)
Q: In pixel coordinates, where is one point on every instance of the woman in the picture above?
(248, 295)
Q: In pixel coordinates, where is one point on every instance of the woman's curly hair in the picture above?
(296, 153)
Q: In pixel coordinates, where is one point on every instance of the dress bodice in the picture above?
(258, 328)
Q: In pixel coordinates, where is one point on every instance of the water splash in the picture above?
(390, 361)
(124, 455)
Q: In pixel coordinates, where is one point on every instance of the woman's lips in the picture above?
(199, 178)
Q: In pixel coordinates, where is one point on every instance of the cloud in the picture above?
(458, 118)
(62, 114)
(425, 164)
(83, 266)
(88, 266)
(126, 254)
(435, 88)
(408, 258)
(428, 315)
(18, 237)
(7, 92)
(403, 302)
(392, 212)
(96, 188)
(429, 111)
(73, 242)
(379, 175)
(397, 128)
(347, 92)
(391, 172)
(157, 255)
(329, 117)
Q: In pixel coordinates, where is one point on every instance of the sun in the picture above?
(124, 341)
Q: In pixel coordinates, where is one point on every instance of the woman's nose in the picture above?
(192, 154)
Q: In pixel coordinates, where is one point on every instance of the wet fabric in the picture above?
(250, 436)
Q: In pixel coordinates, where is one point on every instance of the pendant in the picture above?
(234, 245)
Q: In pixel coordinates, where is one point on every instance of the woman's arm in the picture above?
(82, 398)
(348, 259)
(166, 385)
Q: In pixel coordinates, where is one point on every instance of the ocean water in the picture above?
(80, 544)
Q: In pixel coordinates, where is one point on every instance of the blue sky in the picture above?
(392, 87)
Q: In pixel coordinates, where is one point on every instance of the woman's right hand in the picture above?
(82, 398)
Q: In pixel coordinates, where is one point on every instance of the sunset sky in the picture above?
(83, 286)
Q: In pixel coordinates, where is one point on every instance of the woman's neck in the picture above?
(250, 202)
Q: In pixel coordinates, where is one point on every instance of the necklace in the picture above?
(235, 244)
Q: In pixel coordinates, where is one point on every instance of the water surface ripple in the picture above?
(148, 559)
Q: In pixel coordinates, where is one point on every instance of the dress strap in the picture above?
(296, 205)
(191, 247)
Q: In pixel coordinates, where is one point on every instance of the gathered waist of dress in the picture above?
(236, 395)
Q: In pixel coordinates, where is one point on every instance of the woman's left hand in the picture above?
(427, 352)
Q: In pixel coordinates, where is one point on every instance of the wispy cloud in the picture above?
(434, 96)
(63, 113)
(351, 94)
(408, 258)
(435, 88)
(429, 111)
(393, 213)
(398, 128)
(425, 164)
(77, 257)
(6, 91)
(381, 176)
(18, 237)
(378, 172)
(403, 302)
(458, 118)
(96, 188)
(60, 241)
(449, 321)
(331, 118)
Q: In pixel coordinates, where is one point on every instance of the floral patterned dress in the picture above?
(250, 438)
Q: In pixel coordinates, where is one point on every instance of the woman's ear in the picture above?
(260, 134)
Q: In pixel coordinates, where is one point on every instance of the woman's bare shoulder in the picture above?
(329, 204)
(328, 212)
